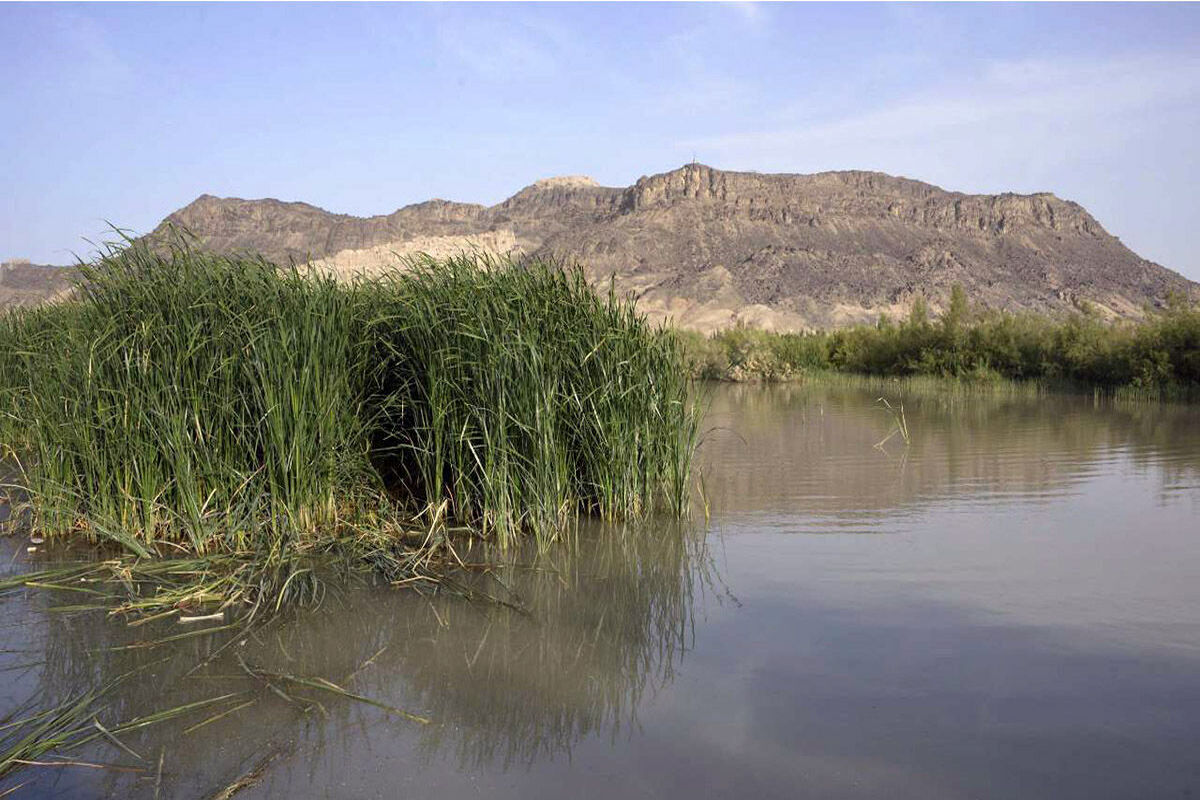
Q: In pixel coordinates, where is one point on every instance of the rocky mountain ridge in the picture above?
(712, 248)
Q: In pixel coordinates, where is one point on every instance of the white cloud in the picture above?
(1026, 111)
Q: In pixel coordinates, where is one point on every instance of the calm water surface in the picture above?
(1006, 607)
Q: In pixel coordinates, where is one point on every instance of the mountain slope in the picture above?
(710, 247)
(24, 284)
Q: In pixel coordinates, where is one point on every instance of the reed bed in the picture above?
(196, 406)
(518, 397)
(1155, 358)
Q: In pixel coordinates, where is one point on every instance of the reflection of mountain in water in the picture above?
(810, 449)
(601, 622)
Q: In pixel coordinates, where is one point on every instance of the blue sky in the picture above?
(127, 112)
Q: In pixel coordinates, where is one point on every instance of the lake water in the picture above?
(1007, 606)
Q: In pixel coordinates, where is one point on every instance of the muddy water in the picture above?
(1007, 606)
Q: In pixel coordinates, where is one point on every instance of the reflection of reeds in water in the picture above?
(593, 625)
(610, 619)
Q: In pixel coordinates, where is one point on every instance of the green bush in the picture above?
(1159, 355)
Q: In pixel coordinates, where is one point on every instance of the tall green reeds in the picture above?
(189, 399)
(1156, 357)
(203, 404)
(514, 398)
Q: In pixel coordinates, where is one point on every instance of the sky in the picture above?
(120, 114)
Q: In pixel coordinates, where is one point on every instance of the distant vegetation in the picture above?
(1159, 356)
(220, 407)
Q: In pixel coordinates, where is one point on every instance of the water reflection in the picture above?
(808, 452)
(608, 619)
(591, 629)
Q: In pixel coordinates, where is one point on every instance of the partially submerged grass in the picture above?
(899, 422)
(75, 723)
(245, 419)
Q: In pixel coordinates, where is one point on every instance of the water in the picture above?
(1006, 607)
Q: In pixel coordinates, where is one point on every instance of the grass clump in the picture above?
(1157, 357)
(185, 403)
(188, 400)
(515, 398)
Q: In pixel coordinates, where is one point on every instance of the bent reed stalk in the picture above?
(190, 404)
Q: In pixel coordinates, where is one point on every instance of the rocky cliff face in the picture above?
(711, 248)
(284, 231)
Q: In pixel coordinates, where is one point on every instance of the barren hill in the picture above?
(23, 283)
(711, 247)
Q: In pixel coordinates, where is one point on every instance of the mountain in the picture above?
(23, 283)
(711, 248)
